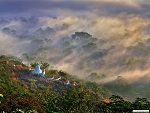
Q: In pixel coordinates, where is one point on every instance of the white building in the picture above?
(38, 71)
(43, 73)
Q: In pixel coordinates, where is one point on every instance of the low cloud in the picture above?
(106, 37)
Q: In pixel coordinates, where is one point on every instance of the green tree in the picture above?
(44, 65)
(141, 103)
(78, 100)
(50, 103)
(119, 105)
(33, 65)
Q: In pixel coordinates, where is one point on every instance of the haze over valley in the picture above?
(99, 41)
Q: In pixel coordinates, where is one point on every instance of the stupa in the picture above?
(37, 70)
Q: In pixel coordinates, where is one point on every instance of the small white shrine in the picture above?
(38, 71)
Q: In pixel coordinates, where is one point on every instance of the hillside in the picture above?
(23, 90)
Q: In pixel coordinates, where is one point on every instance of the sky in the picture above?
(26, 8)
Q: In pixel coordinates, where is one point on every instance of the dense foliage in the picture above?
(34, 94)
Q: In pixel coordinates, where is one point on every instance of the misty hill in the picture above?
(18, 82)
(19, 88)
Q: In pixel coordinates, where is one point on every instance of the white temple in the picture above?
(38, 71)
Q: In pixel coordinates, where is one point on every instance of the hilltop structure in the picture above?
(38, 71)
